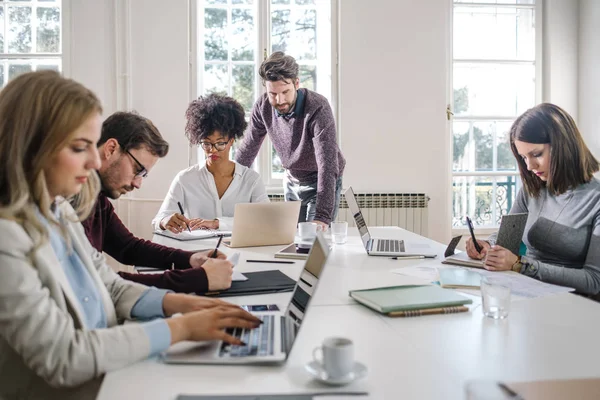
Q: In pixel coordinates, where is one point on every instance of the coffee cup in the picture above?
(307, 230)
(336, 356)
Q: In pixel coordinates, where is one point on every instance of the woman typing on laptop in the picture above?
(59, 302)
(562, 200)
(209, 191)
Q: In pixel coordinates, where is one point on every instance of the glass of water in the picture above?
(495, 297)
(339, 232)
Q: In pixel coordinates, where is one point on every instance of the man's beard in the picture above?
(109, 187)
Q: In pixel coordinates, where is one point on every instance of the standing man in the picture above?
(129, 147)
(301, 126)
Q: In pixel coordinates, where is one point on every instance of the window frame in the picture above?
(263, 162)
(538, 95)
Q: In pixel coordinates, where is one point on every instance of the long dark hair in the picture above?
(571, 162)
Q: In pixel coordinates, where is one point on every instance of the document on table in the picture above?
(520, 285)
(237, 275)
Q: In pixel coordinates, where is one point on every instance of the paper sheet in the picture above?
(237, 276)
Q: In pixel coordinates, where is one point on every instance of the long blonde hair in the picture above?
(39, 111)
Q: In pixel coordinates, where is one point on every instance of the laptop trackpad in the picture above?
(186, 351)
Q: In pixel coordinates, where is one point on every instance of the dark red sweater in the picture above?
(106, 233)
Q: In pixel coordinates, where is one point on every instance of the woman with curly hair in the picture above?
(209, 191)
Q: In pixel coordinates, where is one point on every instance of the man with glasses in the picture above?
(130, 145)
(301, 126)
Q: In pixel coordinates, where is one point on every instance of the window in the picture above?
(235, 36)
(30, 37)
(495, 79)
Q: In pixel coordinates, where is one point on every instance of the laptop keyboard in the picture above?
(259, 341)
(390, 245)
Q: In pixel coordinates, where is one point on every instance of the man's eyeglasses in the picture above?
(143, 172)
(219, 146)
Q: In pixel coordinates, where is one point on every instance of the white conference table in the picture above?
(429, 357)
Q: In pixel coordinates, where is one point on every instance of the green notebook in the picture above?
(458, 278)
(406, 298)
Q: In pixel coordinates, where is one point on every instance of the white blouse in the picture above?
(196, 190)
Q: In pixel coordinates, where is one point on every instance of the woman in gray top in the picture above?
(562, 200)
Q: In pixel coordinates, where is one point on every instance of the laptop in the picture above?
(272, 341)
(381, 246)
(264, 224)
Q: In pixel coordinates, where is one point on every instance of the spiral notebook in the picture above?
(193, 235)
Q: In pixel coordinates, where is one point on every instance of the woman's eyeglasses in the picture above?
(219, 146)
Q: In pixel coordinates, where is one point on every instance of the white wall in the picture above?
(589, 73)
(393, 98)
(560, 60)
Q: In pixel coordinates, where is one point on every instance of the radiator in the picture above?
(406, 210)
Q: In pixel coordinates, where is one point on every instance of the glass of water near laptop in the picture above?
(339, 232)
(495, 298)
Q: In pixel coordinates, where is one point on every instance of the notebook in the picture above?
(261, 282)
(193, 235)
(459, 278)
(293, 251)
(405, 298)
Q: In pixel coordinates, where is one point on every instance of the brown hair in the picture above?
(571, 162)
(39, 111)
(279, 67)
(133, 131)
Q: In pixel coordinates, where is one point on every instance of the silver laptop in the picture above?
(272, 341)
(380, 246)
(264, 224)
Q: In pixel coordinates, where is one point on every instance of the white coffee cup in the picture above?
(337, 358)
(307, 230)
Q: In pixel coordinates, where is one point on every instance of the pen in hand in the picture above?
(214, 254)
(181, 209)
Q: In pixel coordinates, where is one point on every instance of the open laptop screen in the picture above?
(358, 217)
(305, 289)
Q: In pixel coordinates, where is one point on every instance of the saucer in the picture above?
(316, 370)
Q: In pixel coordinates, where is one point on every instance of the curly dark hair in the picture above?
(211, 113)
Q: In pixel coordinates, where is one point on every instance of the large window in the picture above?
(30, 37)
(235, 36)
(494, 80)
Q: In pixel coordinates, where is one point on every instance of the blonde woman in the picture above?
(59, 301)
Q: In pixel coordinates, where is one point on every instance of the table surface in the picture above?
(429, 357)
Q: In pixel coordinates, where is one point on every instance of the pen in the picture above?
(214, 254)
(408, 258)
(181, 209)
(470, 225)
(271, 261)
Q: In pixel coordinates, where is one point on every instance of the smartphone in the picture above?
(470, 225)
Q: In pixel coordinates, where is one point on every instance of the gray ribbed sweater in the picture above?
(562, 236)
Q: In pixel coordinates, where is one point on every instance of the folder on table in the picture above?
(261, 282)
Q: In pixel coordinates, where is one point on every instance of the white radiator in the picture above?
(406, 210)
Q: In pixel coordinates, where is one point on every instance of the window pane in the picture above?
(483, 136)
(242, 39)
(215, 39)
(18, 69)
(308, 76)
(306, 36)
(506, 159)
(216, 79)
(2, 81)
(243, 85)
(280, 20)
(461, 155)
(19, 29)
(242, 2)
(216, 1)
(280, 1)
(305, 2)
(494, 33)
(276, 167)
(48, 30)
(47, 65)
(2, 29)
(494, 89)
(481, 200)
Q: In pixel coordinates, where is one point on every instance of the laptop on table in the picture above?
(381, 246)
(272, 341)
(264, 224)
